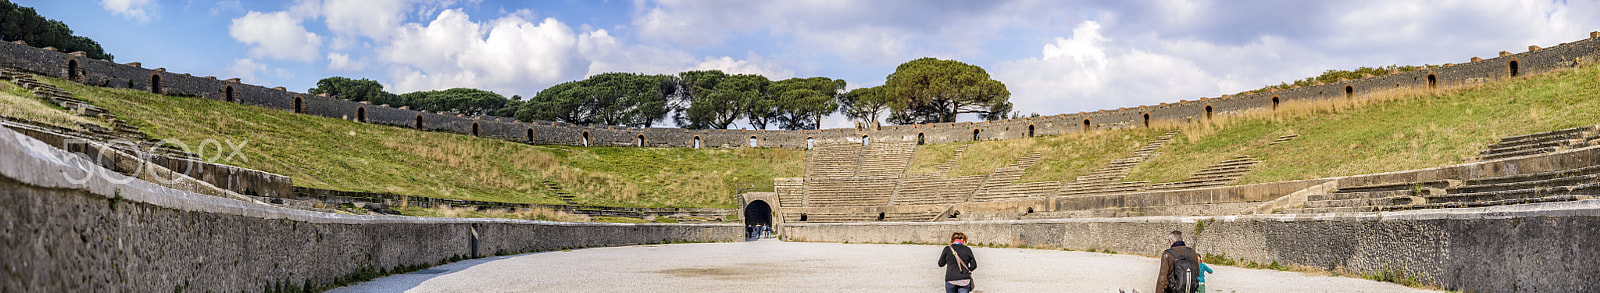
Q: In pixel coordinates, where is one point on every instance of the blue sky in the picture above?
(1054, 56)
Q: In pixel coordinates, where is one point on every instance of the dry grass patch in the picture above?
(16, 101)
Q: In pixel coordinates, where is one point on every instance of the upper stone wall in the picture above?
(134, 76)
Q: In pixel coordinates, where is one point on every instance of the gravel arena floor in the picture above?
(776, 266)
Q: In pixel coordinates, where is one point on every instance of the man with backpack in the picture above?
(1180, 267)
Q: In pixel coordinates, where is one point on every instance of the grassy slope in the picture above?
(16, 101)
(1401, 131)
(337, 154)
(1065, 156)
(1393, 132)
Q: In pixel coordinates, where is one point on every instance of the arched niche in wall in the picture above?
(1146, 119)
(1349, 91)
(299, 104)
(697, 142)
(1513, 68)
(528, 135)
(418, 123)
(865, 140)
(638, 141)
(475, 129)
(920, 139)
(976, 134)
(1433, 80)
(361, 114)
(1087, 125)
(753, 141)
(155, 83)
(1275, 102)
(228, 93)
(1209, 111)
(73, 70)
(585, 138)
(1030, 130)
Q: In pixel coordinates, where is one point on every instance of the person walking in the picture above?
(958, 261)
(1180, 267)
(1201, 278)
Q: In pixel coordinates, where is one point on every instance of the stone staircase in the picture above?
(886, 159)
(1563, 185)
(833, 160)
(1371, 198)
(1001, 184)
(944, 168)
(1108, 179)
(120, 129)
(931, 188)
(850, 191)
(563, 194)
(1220, 174)
(1540, 143)
(1283, 139)
(791, 191)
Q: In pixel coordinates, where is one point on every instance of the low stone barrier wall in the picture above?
(105, 234)
(1530, 248)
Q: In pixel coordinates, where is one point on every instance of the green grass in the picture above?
(1393, 132)
(1065, 156)
(16, 101)
(331, 153)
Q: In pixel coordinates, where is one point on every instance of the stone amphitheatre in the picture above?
(1518, 216)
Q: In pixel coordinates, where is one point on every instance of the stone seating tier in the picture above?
(1539, 143)
(924, 189)
(1018, 191)
(1535, 176)
(887, 159)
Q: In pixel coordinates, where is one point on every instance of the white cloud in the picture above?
(606, 54)
(341, 62)
(245, 69)
(227, 6)
(753, 64)
(376, 20)
(138, 10)
(508, 54)
(1086, 73)
(275, 35)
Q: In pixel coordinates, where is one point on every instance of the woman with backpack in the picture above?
(958, 262)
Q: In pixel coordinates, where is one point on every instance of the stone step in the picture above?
(1583, 189)
(1358, 195)
(1364, 202)
(1536, 145)
(1328, 210)
(1535, 176)
(1510, 201)
(1558, 181)
(1526, 138)
(1519, 153)
(1437, 184)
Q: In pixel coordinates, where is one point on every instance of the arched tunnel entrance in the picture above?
(757, 218)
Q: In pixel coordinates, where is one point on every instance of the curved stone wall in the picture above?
(1532, 248)
(132, 75)
(105, 234)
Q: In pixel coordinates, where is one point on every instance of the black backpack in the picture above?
(1185, 274)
